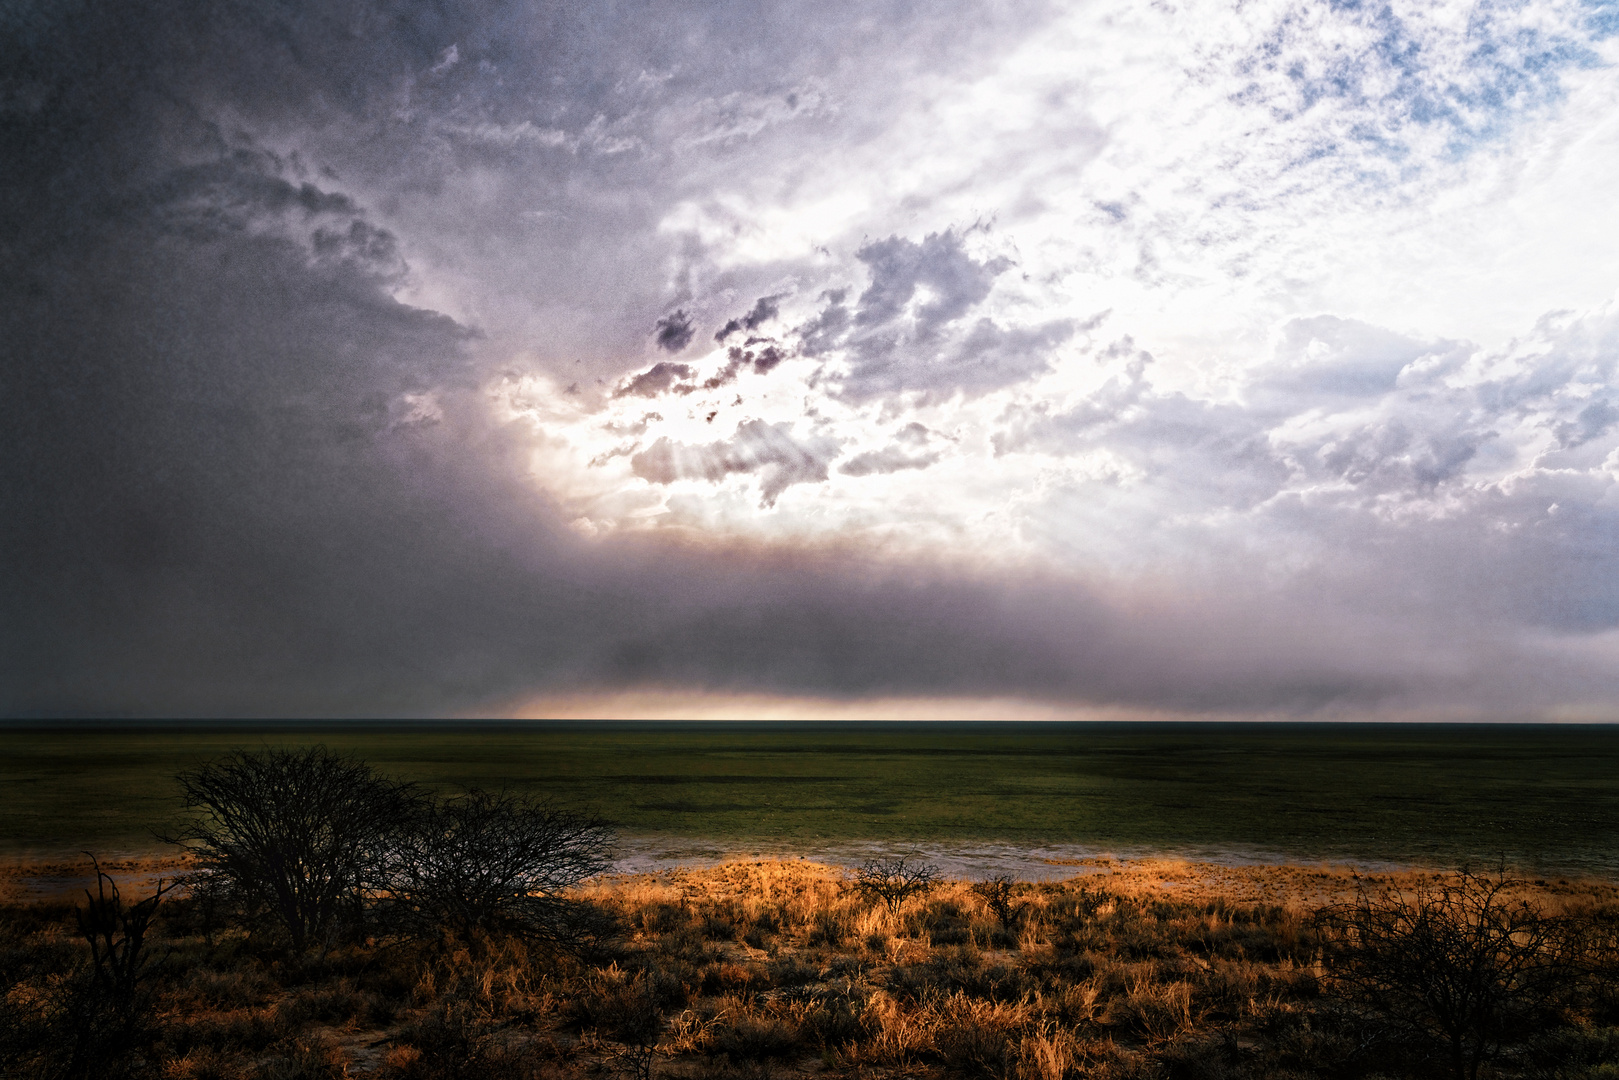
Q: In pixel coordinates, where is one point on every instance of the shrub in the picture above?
(485, 862)
(996, 892)
(304, 834)
(1460, 965)
(106, 1011)
(893, 881)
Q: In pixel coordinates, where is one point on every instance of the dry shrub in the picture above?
(1050, 1053)
(977, 1037)
(474, 1000)
(241, 1030)
(729, 978)
(834, 1022)
(317, 1005)
(788, 971)
(721, 922)
(756, 1036)
(689, 1033)
(1158, 1011)
(204, 1064)
(897, 1035)
(1228, 988)
(1305, 1041)
(828, 928)
(663, 918)
(876, 928)
(1032, 933)
(1179, 982)
(1071, 1004)
(1201, 1057)
(959, 968)
(306, 1056)
(620, 1005)
(206, 988)
(455, 1039)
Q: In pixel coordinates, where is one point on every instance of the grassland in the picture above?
(754, 970)
(1544, 798)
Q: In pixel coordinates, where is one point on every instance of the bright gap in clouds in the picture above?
(1137, 283)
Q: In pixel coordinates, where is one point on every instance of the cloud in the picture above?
(757, 447)
(267, 271)
(1591, 422)
(887, 460)
(660, 378)
(909, 332)
(674, 332)
(1326, 358)
(762, 311)
(907, 451)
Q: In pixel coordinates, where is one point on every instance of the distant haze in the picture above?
(790, 359)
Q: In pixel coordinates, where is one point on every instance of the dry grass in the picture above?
(765, 968)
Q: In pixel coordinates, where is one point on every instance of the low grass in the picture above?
(1541, 797)
(780, 969)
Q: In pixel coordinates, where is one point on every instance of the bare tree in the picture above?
(497, 861)
(1459, 965)
(893, 881)
(996, 892)
(305, 834)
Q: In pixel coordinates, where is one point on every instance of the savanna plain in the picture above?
(788, 900)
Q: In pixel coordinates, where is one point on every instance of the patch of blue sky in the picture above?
(1601, 18)
(1397, 81)
(1370, 136)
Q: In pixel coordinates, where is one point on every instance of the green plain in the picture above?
(1544, 797)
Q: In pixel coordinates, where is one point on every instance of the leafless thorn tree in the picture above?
(895, 880)
(486, 861)
(305, 833)
(1459, 965)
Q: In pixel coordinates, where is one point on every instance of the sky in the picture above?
(1093, 360)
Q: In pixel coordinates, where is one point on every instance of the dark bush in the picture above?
(497, 862)
(1459, 966)
(304, 834)
(105, 1014)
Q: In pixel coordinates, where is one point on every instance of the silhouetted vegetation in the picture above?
(895, 880)
(1461, 966)
(305, 836)
(487, 862)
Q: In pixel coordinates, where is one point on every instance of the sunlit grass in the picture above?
(781, 968)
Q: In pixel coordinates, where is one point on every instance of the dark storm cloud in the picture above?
(240, 476)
